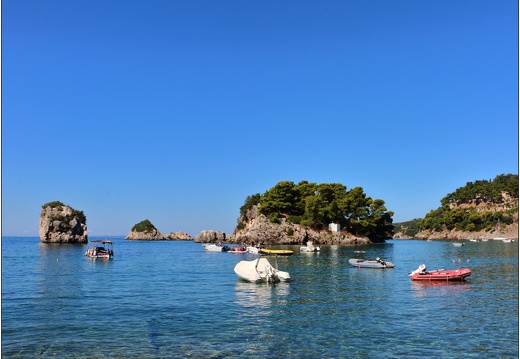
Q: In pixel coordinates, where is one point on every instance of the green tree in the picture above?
(144, 226)
(279, 199)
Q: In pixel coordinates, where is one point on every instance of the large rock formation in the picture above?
(60, 223)
(207, 236)
(146, 231)
(256, 228)
(151, 235)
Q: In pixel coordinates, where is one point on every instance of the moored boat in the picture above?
(458, 244)
(215, 247)
(278, 252)
(253, 249)
(309, 248)
(238, 249)
(440, 274)
(362, 263)
(260, 270)
(101, 249)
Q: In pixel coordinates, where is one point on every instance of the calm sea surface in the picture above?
(173, 300)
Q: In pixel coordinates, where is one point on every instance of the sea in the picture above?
(171, 299)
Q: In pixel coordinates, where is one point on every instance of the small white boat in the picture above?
(309, 248)
(101, 249)
(497, 231)
(362, 263)
(260, 270)
(457, 244)
(253, 249)
(214, 247)
(503, 239)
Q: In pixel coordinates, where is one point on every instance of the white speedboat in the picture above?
(309, 248)
(362, 263)
(214, 247)
(253, 249)
(260, 270)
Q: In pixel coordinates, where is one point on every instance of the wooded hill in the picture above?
(477, 206)
(316, 205)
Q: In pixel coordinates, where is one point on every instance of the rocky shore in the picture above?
(510, 232)
(257, 228)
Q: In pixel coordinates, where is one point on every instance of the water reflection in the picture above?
(444, 287)
(259, 295)
(57, 269)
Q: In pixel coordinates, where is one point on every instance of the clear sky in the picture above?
(176, 111)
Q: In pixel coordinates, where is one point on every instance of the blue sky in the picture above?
(176, 111)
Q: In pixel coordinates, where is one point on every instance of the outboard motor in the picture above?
(421, 269)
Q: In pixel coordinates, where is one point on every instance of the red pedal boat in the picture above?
(440, 274)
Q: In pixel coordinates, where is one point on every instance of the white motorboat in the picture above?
(214, 247)
(260, 270)
(309, 248)
(253, 249)
(362, 263)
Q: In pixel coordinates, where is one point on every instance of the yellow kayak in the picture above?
(279, 252)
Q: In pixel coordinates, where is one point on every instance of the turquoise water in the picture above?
(173, 300)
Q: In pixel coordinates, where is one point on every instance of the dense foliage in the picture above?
(249, 203)
(451, 215)
(487, 191)
(316, 205)
(144, 226)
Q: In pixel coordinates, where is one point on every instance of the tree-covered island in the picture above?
(314, 206)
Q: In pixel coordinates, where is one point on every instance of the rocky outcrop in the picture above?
(208, 236)
(60, 223)
(178, 236)
(148, 235)
(258, 229)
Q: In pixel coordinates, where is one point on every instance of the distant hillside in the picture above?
(406, 229)
(480, 209)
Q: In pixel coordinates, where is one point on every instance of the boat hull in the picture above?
(215, 248)
(361, 263)
(260, 270)
(278, 252)
(309, 250)
(443, 275)
(102, 249)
